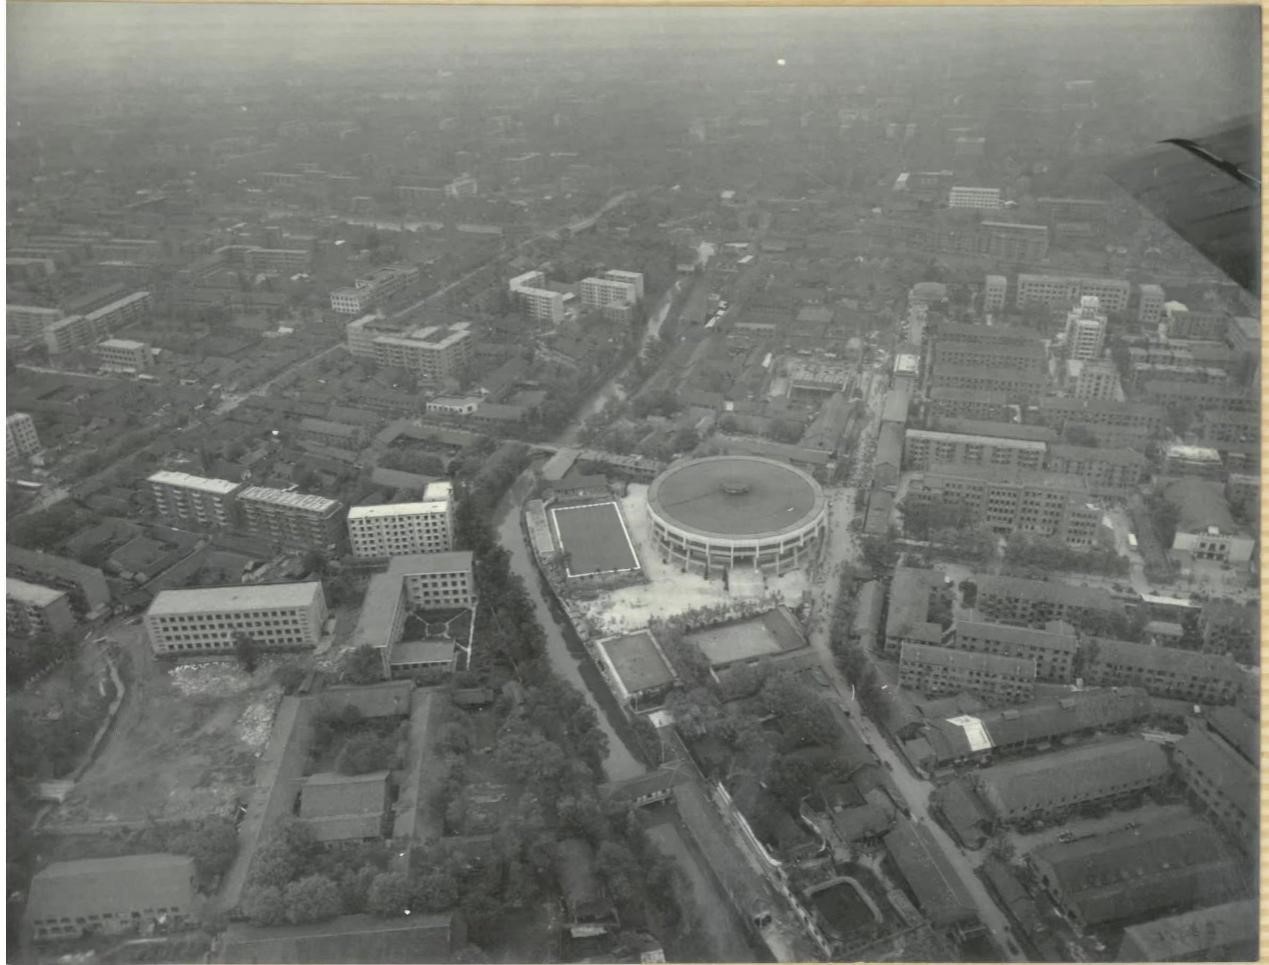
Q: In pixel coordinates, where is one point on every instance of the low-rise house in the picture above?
(588, 910)
(939, 892)
(109, 895)
(913, 595)
(1136, 872)
(345, 807)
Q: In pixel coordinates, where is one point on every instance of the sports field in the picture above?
(595, 539)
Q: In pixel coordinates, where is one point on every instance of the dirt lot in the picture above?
(183, 746)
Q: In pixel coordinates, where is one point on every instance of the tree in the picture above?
(366, 754)
(619, 869)
(786, 430)
(264, 905)
(1080, 435)
(315, 563)
(289, 677)
(247, 651)
(879, 554)
(364, 665)
(213, 845)
(390, 895)
(286, 854)
(311, 899)
(435, 889)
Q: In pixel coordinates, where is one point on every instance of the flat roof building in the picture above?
(434, 351)
(636, 668)
(1011, 599)
(345, 807)
(290, 518)
(86, 585)
(32, 610)
(1218, 933)
(21, 439)
(401, 529)
(1165, 671)
(193, 499)
(935, 670)
(207, 621)
(1223, 781)
(1052, 649)
(125, 354)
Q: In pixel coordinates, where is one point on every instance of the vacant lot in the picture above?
(595, 539)
(184, 744)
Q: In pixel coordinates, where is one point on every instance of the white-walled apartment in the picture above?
(277, 616)
(987, 199)
(540, 302)
(1086, 329)
(433, 352)
(197, 499)
(403, 529)
(601, 292)
(20, 436)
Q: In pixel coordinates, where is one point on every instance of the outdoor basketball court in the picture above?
(595, 538)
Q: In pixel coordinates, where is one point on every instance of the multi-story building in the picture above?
(1205, 529)
(371, 289)
(70, 333)
(541, 304)
(1097, 379)
(1025, 355)
(436, 581)
(632, 278)
(1201, 462)
(602, 292)
(86, 585)
(948, 403)
(1180, 322)
(995, 293)
(1150, 304)
(194, 500)
(1052, 784)
(327, 433)
(1062, 291)
(122, 312)
(1201, 678)
(1131, 424)
(1036, 603)
(401, 529)
(982, 198)
(362, 333)
(31, 609)
(1107, 472)
(291, 519)
(463, 186)
(209, 620)
(1052, 649)
(29, 321)
(125, 355)
(281, 260)
(1197, 396)
(925, 447)
(1223, 781)
(914, 595)
(20, 436)
(1010, 242)
(989, 377)
(937, 670)
(1012, 500)
(1235, 435)
(434, 352)
(1086, 329)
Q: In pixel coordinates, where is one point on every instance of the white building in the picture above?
(193, 499)
(1086, 329)
(277, 616)
(125, 355)
(401, 529)
(1062, 291)
(453, 405)
(32, 609)
(433, 352)
(602, 292)
(1150, 307)
(987, 199)
(361, 336)
(21, 437)
(1096, 379)
(436, 581)
(29, 321)
(994, 291)
(633, 278)
(542, 304)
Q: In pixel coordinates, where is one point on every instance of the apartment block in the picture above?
(71, 333)
(29, 321)
(434, 352)
(1052, 649)
(1180, 322)
(995, 292)
(287, 261)
(1037, 603)
(1131, 424)
(1107, 472)
(1150, 304)
(1014, 243)
(1200, 678)
(193, 500)
(989, 377)
(436, 581)
(125, 355)
(934, 670)
(602, 292)
(369, 290)
(122, 312)
(948, 403)
(541, 303)
(32, 609)
(1011, 500)
(632, 278)
(208, 620)
(361, 333)
(1097, 379)
(1224, 782)
(1024, 356)
(401, 529)
(1086, 329)
(1051, 784)
(21, 439)
(291, 519)
(1063, 291)
(923, 448)
(1201, 395)
(980, 198)
(86, 585)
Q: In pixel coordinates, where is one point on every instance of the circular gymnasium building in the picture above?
(729, 511)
